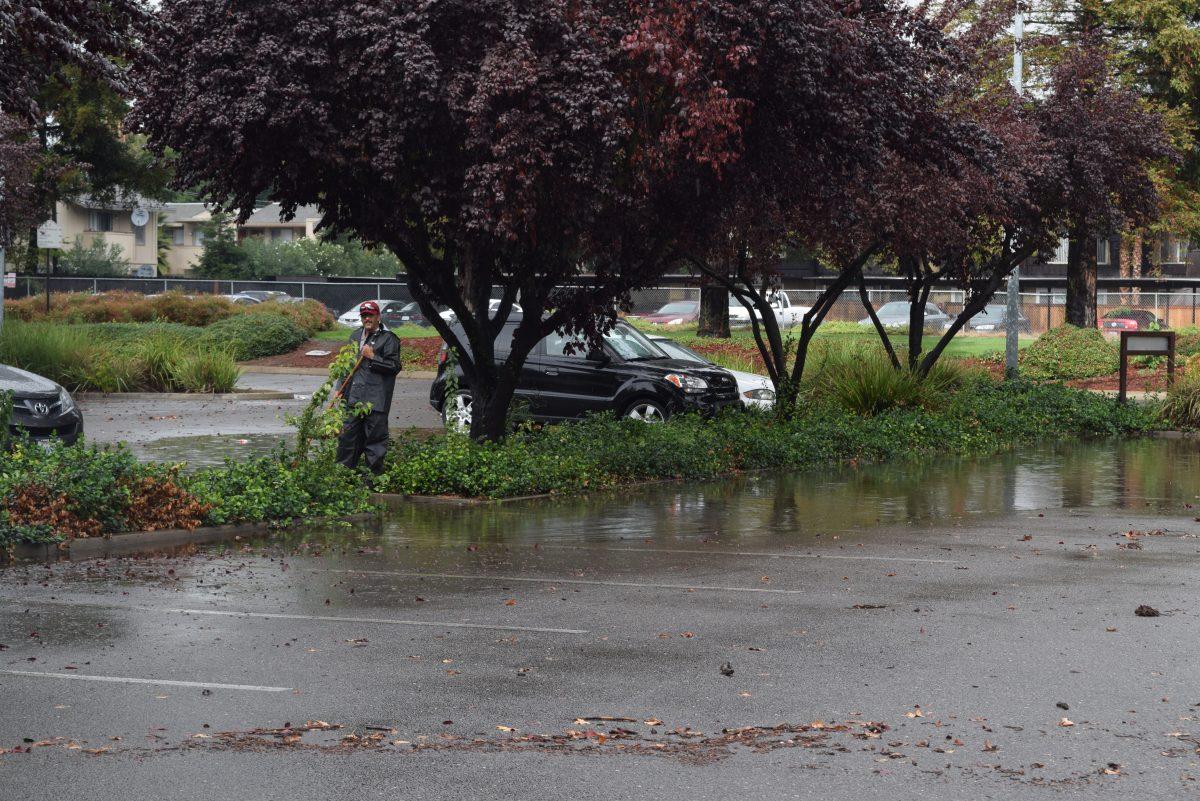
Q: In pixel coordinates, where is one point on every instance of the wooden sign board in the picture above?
(1146, 343)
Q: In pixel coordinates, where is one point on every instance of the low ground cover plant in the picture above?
(63, 492)
(978, 418)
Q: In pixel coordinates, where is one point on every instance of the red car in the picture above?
(1130, 320)
(676, 312)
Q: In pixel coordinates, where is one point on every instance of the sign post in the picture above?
(49, 237)
(1146, 343)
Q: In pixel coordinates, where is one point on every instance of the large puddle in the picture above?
(1143, 476)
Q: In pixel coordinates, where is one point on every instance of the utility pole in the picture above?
(1012, 314)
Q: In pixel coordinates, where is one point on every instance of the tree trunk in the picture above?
(1081, 278)
(714, 311)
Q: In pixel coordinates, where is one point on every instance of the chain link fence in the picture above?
(1045, 309)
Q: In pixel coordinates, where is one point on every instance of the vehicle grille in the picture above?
(28, 407)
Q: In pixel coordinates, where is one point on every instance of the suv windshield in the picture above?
(630, 344)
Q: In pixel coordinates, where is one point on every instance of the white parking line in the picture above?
(598, 583)
(760, 554)
(315, 618)
(132, 680)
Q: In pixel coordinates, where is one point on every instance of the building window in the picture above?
(1172, 250)
(100, 221)
(198, 237)
(1060, 254)
(177, 235)
(139, 234)
(1102, 251)
(281, 234)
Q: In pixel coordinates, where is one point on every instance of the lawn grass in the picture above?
(342, 334)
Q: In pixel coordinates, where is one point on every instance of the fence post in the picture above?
(303, 293)
(1193, 305)
(1167, 314)
(95, 287)
(379, 290)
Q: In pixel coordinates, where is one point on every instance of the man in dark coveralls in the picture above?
(372, 383)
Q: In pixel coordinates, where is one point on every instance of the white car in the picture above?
(493, 306)
(755, 390)
(351, 319)
(787, 315)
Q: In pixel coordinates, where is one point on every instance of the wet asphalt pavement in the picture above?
(965, 631)
(205, 431)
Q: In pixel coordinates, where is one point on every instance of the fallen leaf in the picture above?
(1145, 610)
(506, 728)
(1065, 722)
(916, 713)
(989, 746)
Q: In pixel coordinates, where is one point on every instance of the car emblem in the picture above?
(41, 409)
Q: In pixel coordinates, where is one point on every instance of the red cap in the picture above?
(368, 307)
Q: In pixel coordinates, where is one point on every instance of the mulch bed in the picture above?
(417, 354)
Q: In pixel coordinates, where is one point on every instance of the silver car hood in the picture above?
(24, 384)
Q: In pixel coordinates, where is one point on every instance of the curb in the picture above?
(394, 502)
(249, 394)
(267, 369)
(144, 541)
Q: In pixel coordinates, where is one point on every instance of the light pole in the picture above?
(1012, 315)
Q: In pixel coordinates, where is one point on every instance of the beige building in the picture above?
(265, 224)
(183, 227)
(86, 219)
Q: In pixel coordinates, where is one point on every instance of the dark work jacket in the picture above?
(376, 378)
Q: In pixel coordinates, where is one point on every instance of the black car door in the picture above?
(569, 384)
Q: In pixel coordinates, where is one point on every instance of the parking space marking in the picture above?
(133, 680)
(595, 582)
(315, 618)
(760, 554)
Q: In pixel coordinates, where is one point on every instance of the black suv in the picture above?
(630, 375)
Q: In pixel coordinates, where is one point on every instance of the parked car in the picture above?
(786, 315)
(493, 306)
(1131, 320)
(630, 375)
(351, 318)
(993, 318)
(896, 314)
(755, 390)
(240, 299)
(677, 312)
(264, 295)
(399, 313)
(41, 408)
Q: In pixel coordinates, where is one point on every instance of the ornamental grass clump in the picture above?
(101, 358)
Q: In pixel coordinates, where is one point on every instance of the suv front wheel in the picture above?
(456, 412)
(646, 410)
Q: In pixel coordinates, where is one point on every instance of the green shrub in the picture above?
(97, 259)
(253, 336)
(310, 315)
(1187, 341)
(1069, 352)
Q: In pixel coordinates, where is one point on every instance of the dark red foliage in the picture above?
(512, 147)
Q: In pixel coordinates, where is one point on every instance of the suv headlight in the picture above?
(688, 383)
(65, 400)
(761, 394)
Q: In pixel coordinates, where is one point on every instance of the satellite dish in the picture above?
(139, 217)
